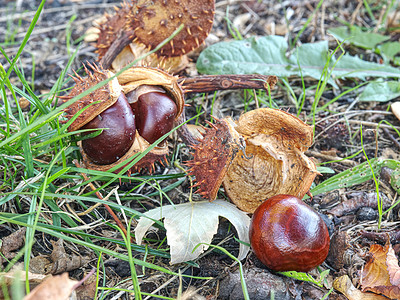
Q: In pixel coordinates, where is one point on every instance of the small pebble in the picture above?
(366, 214)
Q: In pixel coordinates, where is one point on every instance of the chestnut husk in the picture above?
(140, 26)
(271, 161)
(129, 81)
(275, 162)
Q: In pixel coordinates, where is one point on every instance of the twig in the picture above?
(211, 83)
(396, 142)
(372, 124)
(331, 158)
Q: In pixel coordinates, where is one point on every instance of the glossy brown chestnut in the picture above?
(288, 235)
(155, 114)
(119, 136)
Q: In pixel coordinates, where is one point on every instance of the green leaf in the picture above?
(381, 91)
(354, 67)
(248, 56)
(356, 175)
(307, 277)
(389, 49)
(325, 170)
(354, 35)
(266, 55)
(395, 180)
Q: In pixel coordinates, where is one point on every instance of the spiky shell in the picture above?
(113, 25)
(106, 96)
(134, 77)
(158, 19)
(275, 144)
(150, 22)
(213, 156)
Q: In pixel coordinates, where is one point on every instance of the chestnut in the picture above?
(288, 235)
(155, 112)
(117, 137)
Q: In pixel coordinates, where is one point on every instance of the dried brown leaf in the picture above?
(40, 265)
(56, 287)
(375, 276)
(63, 262)
(11, 243)
(338, 247)
(343, 284)
(375, 271)
(88, 289)
(357, 200)
(7, 280)
(393, 267)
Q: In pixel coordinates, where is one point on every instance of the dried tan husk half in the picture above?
(275, 163)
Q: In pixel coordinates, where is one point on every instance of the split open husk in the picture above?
(271, 162)
(127, 82)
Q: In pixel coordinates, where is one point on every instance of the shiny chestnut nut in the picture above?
(155, 112)
(117, 137)
(288, 235)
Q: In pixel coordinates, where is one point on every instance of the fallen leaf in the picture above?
(63, 262)
(57, 287)
(7, 280)
(11, 243)
(381, 271)
(393, 267)
(375, 271)
(343, 284)
(338, 247)
(192, 223)
(247, 56)
(40, 265)
(88, 289)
